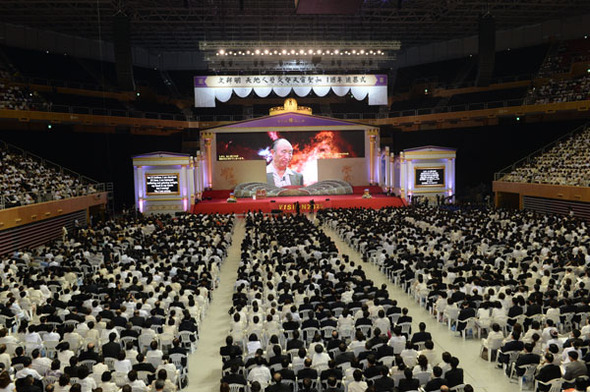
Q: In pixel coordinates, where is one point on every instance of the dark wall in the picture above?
(485, 150)
(103, 157)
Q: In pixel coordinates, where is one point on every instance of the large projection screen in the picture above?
(309, 147)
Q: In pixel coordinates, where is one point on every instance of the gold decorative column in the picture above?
(207, 137)
(373, 133)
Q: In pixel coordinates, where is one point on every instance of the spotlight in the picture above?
(222, 52)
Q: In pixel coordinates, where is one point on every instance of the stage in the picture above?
(288, 204)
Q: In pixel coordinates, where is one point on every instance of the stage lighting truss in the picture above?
(381, 50)
(297, 56)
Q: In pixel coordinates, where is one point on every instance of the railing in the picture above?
(240, 117)
(456, 108)
(14, 200)
(508, 169)
(63, 83)
(115, 112)
(472, 83)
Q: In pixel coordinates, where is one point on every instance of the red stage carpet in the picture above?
(287, 204)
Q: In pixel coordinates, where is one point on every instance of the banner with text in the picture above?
(222, 87)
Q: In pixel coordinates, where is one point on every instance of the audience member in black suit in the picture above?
(142, 365)
(454, 376)
(332, 384)
(229, 348)
(549, 371)
(421, 335)
(295, 343)
(311, 322)
(253, 361)
(19, 357)
(515, 309)
(408, 383)
(306, 386)
(136, 319)
(72, 369)
(372, 369)
(178, 349)
(404, 318)
(384, 383)
(278, 386)
(290, 324)
(119, 320)
(465, 313)
(526, 358)
(332, 371)
(307, 371)
(278, 356)
(112, 348)
(436, 381)
(342, 355)
(234, 377)
(286, 373)
(89, 353)
(334, 342)
(378, 338)
(514, 344)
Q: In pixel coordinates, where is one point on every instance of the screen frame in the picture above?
(177, 175)
(442, 185)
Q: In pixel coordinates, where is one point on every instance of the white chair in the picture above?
(469, 325)
(186, 339)
(178, 359)
(458, 388)
(424, 377)
(50, 350)
(492, 346)
(88, 363)
(387, 361)
(237, 388)
(554, 385)
(528, 377)
(143, 375)
(110, 362)
(406, 328)
(47, 380)
(309, 333)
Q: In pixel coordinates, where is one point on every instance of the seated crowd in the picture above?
(26, 180)
(561, 90)
(12, 97)
(519, 277)
(306, 318)
(115, 307)
(567, 163)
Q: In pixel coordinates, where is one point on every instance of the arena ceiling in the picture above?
(179, 25)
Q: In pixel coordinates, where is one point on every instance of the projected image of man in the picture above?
(278, 172)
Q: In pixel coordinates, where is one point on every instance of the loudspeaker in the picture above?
(276, 211)
(123, 56)
(486, 49)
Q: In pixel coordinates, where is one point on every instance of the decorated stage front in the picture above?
(288, 204)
